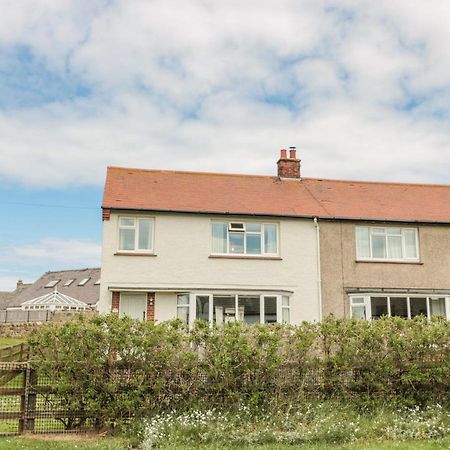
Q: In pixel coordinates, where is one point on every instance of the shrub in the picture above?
(119, 368)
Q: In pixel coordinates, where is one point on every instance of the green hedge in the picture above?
(121, 368)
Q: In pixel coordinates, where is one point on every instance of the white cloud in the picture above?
(205, 85)
(27, 261)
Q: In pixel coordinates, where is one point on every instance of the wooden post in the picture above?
(28, 401)
(23, 412)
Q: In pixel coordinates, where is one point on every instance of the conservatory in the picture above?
(55, 301)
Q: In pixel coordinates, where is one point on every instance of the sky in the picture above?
(361, 88)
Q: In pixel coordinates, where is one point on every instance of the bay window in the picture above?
(250, 308)
(387, 243)
(373, 307)
(136, 234)
(244, 238)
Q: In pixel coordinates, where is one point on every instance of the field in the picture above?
(99, 443)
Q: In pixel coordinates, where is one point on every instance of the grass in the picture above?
(7, 341)
(67, 442)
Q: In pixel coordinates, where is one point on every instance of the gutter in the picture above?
(319, 271)
(289, 216)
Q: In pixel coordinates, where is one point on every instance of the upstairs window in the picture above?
(387, 243)
(244, 238)
(135, 235)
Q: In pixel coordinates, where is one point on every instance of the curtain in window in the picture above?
(219, 237)
(270, 238)
(437, 307)
(362, 242)
(410, 243)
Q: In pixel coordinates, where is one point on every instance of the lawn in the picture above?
(67, 442)
(7, 341)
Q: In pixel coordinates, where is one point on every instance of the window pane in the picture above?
(202, 302)
(183, 314)
(418, 306)
(362, 242)
(285, 300)
(219, 237)
(395, 247)
(437, 307)
(270, 238)
(224, 309)
(357, 300)
(379, 230)
(270, 310)
(237, 243)
(253, 227)
(183, 300)
(126, 239)
(378, 306)
(394, 231)
(410, 243)
(145, 234)
(249, 309)
(285, 315)
(358, 312)
(398, 307)
(378, 246)
(253, 244)
(126, 222)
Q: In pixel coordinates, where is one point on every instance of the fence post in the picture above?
(28, 406)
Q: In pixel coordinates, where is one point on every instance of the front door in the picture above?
(133, 305)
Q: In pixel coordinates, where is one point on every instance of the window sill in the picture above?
(134, 254)
(276, 258)
(387, 261)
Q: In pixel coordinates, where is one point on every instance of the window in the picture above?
(97, 282)
(183, 308)
(83, 281)
(135, 235)
(69, 282)
(373, 307)
(249, 308)
(51, 284)
(389, 243)
(244, 238)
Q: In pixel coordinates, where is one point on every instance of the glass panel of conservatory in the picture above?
(270, 310)
(399, 307)
(249, 308)
(202, 307)
(378, 307)
(224, 309)
(418, 306)
(437, 307)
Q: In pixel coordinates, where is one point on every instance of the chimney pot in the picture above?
(289, 167)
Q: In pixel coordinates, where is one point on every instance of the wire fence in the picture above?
(30, 404)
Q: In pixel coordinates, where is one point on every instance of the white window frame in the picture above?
(368, 304)
(135, 227)
(279, 305)
(386, 234)
(245, 232)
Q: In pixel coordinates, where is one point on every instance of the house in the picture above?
(261, 249)
(64, 290)
(210, 246)
(7, 298)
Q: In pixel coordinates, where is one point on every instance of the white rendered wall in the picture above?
(183, 246)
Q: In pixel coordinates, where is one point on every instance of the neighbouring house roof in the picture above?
(54, 299)
(161, 190)
(8, 298)
(88, 293)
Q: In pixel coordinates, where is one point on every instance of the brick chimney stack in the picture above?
(289, 167)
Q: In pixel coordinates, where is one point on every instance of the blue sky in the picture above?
(361, 88)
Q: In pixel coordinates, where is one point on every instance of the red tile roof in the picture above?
(160, 190)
